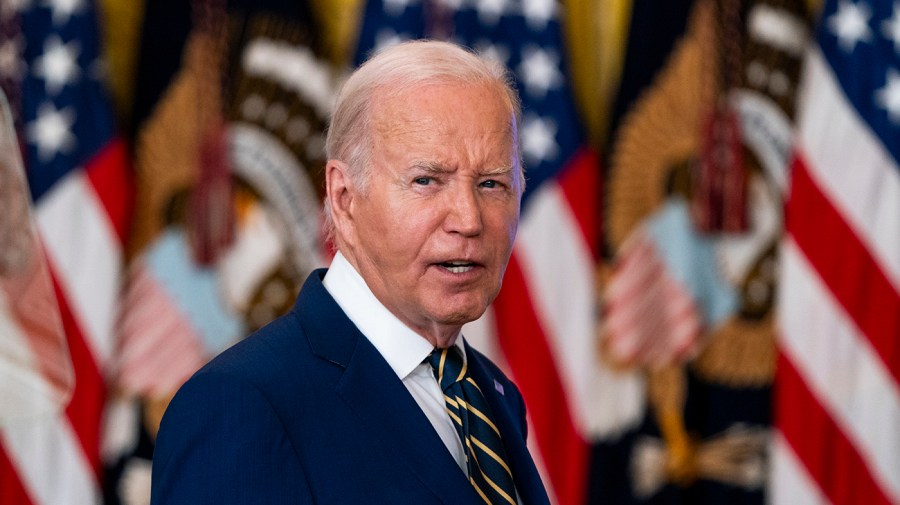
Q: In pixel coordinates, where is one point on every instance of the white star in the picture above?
(12, 66)
(57, 66)
(396, 7)
(63, 10)
(888, 97)
(490, 11)
(494, 52)
(538, 12)
(851, 24)
(539, 139)
(891, 27)
(52, 131)
(539, 71)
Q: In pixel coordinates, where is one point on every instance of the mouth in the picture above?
(458, 266)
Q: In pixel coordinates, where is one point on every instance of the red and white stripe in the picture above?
(159, 346)
(82, 224)
(543, 323)
(651, 317)
(837, 401)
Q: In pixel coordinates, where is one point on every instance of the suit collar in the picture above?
(377, 396)
(401, 347)
(384, 403)
(331, 335)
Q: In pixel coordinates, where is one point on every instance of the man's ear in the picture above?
(339, 191)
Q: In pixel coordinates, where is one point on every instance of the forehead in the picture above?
(444, 107)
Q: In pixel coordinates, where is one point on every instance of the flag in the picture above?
(76, 170)
(541, 326)
(35, 368)
(837, 396)
(690, 301)
(654, 28)
(178, 311)
(36, 377)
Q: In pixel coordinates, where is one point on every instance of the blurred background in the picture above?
(703, 303)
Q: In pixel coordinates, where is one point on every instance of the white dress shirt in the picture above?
(401, 347)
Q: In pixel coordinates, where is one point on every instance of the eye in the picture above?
(423, 181)
(490, 183)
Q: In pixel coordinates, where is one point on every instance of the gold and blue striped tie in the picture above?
(489, 472)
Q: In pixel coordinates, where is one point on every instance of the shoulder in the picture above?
(262, 356)
(233, 409)
(249, 372)
(258, 369)
(274, 348)
(222, 441)
(284, 359)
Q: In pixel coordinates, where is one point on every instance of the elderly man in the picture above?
(366, 392)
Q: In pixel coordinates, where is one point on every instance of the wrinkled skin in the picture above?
(433, 231)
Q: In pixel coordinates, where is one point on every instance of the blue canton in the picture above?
(65, 115)
(861, 41)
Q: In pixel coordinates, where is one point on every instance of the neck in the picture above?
(441, 341)
(438, 335)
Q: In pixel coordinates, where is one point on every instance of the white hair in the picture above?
(396, 70)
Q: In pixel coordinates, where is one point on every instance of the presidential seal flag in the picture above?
(698, 174)
(241, 120)
(79, 181)
(837, 395)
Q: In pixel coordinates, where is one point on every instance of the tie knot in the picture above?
(448, 366)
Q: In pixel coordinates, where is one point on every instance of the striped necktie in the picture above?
(485, 457)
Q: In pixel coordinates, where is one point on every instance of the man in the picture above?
(365, 392)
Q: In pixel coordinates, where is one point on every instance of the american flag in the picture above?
(837, 405)
(542, 323)
(35, 369)
(77, 174)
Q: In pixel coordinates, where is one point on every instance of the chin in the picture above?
(461, 316)
(459, 308)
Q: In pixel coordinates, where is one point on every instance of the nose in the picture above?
(464, 215)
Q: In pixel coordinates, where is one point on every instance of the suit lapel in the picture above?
(527, 478)
(384, 403)
(378, 397)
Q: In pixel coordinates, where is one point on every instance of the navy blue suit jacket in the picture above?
(307, 411)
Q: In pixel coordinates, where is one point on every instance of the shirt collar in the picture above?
(400, 346)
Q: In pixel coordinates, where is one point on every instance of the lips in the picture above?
(458, 266)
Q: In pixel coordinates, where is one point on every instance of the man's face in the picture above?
(433, 232)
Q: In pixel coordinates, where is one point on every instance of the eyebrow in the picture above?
(503, 170)
(433, 167)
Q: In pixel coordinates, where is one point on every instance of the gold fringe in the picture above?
(121, 26)
(167, 149)
(662, 131)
